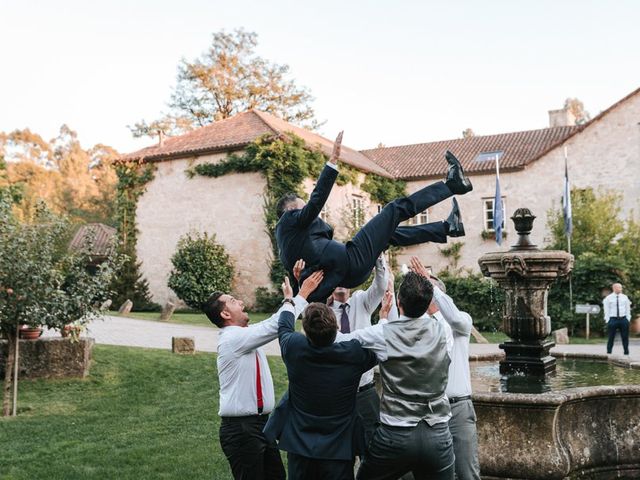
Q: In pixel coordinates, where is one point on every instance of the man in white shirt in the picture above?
(463, 416)
(617, 315)
(246, 386)
(414, 352)
(353, 312)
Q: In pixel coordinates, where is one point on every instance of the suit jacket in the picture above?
(303, 234)
(316, 418)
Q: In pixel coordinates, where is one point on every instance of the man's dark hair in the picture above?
(213, 307)
(415, 294)
(284, 202)
(320, 324)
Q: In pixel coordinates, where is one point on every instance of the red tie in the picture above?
(259, 385)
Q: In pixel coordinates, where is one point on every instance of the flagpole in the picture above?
(566, 169)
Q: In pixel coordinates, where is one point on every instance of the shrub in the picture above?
(267, 300)
(478, 296)
(200, 267)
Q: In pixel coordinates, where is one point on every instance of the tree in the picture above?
(42, 283)
(605, 251)
(468, 133)
(72, 181)
(576, 107)
(200, 267)
(227, 79)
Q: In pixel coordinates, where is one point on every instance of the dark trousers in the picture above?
(622, 324)
(305, 468)
(368, 407)
(465, 440)
(425, 450)
(383, 230)
(250, 455)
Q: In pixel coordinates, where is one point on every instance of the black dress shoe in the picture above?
(456, 180)
(456, 228)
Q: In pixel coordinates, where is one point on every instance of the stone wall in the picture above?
(51, 357)
(231, 207)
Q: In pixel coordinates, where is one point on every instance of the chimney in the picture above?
(160, 138)
(561, 118)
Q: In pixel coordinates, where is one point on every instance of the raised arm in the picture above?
(373, 295)
(459, 322)
(323, 187)
(286, 320)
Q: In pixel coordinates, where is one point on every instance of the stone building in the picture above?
(603, 153)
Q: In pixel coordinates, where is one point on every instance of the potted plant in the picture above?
(30, 333)
(72, 330)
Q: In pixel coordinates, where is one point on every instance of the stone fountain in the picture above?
(525, 273)
(586, 433)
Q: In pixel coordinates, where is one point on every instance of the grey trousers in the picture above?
(465, 440)
(425, 450)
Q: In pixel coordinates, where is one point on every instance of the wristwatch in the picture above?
(289, 300)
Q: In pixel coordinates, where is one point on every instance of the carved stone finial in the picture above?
(523, 221)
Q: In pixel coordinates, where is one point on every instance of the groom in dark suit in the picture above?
(316, 421)
(301, 234)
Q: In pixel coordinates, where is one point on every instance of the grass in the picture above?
(499, 337)
(141, 414)
(186, 318)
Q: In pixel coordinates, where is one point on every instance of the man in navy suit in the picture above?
(316, 421)
(301, 234)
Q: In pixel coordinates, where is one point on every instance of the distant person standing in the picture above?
(617, 314)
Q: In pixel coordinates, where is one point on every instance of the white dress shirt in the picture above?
(610, 306)
(460, 322)
(372, 338)
(237, 350)
(361, 306)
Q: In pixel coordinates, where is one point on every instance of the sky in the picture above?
(394, 72)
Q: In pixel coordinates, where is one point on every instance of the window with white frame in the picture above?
(488, 213)
(420, 219)
(357, 210)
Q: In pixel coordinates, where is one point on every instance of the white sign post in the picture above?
(588, 309)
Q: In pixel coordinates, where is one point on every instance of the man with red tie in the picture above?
(246, 387)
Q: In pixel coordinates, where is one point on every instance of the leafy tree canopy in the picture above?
(230, 78)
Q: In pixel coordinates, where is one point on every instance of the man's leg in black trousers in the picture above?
(624, 334)
(612, 326)
(374, 237)
(248, 452)
(435, 232)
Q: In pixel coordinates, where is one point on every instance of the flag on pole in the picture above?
(498, 213)
(566, 200)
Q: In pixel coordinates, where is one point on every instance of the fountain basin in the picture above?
(587, 433)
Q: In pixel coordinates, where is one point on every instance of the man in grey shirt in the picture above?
(414, 352)
(463, 416)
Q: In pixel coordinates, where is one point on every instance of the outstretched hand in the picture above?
(337, 146)
(417, 267)
(287, 291)
(387, 303)
(297, 269)
(311, 283)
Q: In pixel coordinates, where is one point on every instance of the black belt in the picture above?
(366, 387)
(245, 418)
(459, 399)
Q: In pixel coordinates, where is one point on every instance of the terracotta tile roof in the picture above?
(103, 236)
(427, 159)
(238, 131)
(520, 148)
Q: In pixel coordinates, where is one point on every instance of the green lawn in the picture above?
(141, 414)
(499, 337)
(199, 319)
